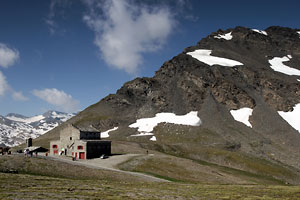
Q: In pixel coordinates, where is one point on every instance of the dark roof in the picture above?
(36, 149)
(89, 131)
(99, 141)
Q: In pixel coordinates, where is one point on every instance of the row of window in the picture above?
(99, 147)
(54, 146)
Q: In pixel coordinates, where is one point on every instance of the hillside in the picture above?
(232, 100)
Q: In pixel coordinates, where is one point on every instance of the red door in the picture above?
(81, 155)
(55, 152)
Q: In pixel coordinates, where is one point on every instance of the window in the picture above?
(79, 147)
(70, 138)
(54, 146)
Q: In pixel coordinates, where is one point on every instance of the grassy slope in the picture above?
(204, 162)
(20, 186)
(188, 171)
(194, 146)
(45, 179)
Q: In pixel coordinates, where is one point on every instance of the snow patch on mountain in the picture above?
(142, 134)
(298, 33)
(15, 128)
(58, 115)
(226, 36)
(277, 65)
(26, 120)
(146, 125)
(203, 55)
(292, 117)
(105, 134)
(242, 115)
(259, 31)
(153, 138)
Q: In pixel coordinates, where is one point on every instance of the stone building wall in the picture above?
(68, 135)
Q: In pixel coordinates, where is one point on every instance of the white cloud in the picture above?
(8, 56)
(123, 30)
(3, 84)
(5, 87)
(18, 96)
(58, 98)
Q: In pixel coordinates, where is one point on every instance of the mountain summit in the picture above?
(15, 128)
(233, 100)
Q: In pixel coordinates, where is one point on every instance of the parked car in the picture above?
(103, 156)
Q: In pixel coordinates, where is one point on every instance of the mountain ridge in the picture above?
(15, 128)
(192, 81)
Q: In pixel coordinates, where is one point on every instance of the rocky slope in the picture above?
(244, 86)
(15, 128)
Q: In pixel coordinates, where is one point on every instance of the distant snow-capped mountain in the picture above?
(15, 128)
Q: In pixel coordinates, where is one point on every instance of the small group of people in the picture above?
(4, 150)
(28, 153)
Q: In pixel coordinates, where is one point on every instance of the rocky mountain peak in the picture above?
(16, 115)
(15, 128)
(241, 84)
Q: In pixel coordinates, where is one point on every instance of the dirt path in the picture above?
(108, 164)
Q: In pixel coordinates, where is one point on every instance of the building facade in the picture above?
(80, 144)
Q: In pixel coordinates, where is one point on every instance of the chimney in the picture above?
(29, 142)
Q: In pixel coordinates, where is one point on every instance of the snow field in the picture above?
(203, 55)
(259, 31)
(23, 128)
(146, 125)
(292, 117)
(242, 115)
(153, 138)
(226, 36)
(277, 65)
(27, 120)
(62, 117)
(105, 134)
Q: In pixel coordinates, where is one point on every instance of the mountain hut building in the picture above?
(80, 144)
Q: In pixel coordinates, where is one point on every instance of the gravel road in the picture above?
(107, 164)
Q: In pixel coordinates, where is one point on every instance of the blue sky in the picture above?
(68, 54)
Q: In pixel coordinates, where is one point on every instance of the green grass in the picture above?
(19, 186)
(252, 163)
(256, 169)
(47, 179)
(259, 179)
(89, 119)
(163, 177)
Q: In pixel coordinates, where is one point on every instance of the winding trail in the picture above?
(107, 164)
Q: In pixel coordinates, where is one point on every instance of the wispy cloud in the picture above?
(6, 88)
(18, 96)
(8, 56)
(124, 30)
(56, 8)
(58, 98)
(3, 84)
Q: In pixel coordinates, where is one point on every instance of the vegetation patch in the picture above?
(21, 186)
